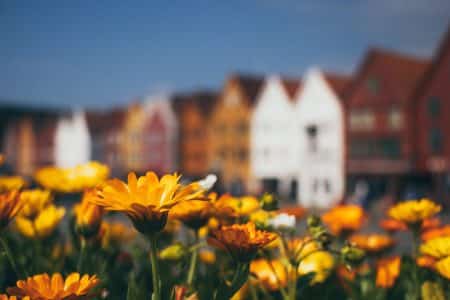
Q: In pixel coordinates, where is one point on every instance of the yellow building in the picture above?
(229, 131)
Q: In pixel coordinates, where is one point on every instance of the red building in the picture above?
(433, 121)
(28, 137)
(381, 116)
(105, 129)
(159, 135)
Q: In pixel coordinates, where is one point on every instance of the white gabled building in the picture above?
(272, 147)
(321, 121)
(72, 140)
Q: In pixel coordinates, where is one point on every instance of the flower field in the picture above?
(76, 234)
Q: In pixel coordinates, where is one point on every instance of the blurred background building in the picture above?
(381, 130)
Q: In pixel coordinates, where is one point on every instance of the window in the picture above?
(242, 155)
(362, 119)
(315, 186)
(327, 186)
(395, 118)
(312, 132)
(373, 85)
(435, 141)
(390, 147)
(242, 128)
(434, 107)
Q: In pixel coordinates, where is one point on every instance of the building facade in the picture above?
(380, 122)
(320, 118)
(193, 114)
(433, 123)
(230, 132)
(273, 146)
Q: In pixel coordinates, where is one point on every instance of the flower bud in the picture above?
(313, 221)
(173, 252)
(269, 202)
(352, 255)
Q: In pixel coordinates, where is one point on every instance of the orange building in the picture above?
(132, 147)
(193, 112)
(229, 131)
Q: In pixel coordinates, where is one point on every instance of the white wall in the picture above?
(272, 154)
(72, 141)
(319, 106)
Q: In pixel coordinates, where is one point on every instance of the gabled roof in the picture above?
(102, 121)
(250, 85)
(337, 82)
(292, 87)
(203, 99)
(443, 49)
(398, 74)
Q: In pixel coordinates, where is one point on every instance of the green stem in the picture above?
(192, 267)
(155, 269)
(81, 256)
(11, 258)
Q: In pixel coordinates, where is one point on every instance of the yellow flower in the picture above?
(173, 252)
(242, 241)
(437, 248)
(260, 218)
(88, 215)
(6, 297)
(321, 263)
(414, 211)
(34, 201)
(43, 225)
(299, 248)
(72, 180)
(344, 218)
(271, 274)
(10, 205)
(147, 200)
(432, 291)
(44, 287)
(443, 267)
(233, 207)
(241, 294)
(207, 256)
(388, 269)
(9, 183)
(194, 213)
(372, 242)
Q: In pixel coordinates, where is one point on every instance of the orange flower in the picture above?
(388, 269)
(297, 211)
(242, 241)
(436, 232)
(10, 205)
(6, 297)
(426, 261)
(44, 287)
(88, 215)
(271, 274)
(391, 225)
(147, 200)
(431, 223)
(344, 217)
(372, 242)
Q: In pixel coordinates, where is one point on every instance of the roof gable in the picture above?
(394, 75)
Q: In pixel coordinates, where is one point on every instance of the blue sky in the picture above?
(106, 53)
